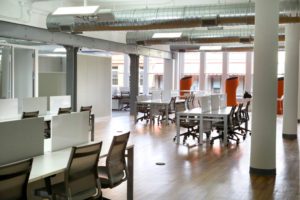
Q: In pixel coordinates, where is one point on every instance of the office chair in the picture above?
(66, 110)
(142, 108)
(115, 170)
(14, 180)
(125, 95)
(231, 128)
(89, 109)
(26, 115)
(245, 118)
(80, 177)
(171, 110)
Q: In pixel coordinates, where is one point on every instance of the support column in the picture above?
(181, 64)
(134, 81)
(146, 75)
(263, 138)
(290, 102)
(126, 71)
(202, 71)
(176, 72)
(71, 68)
(248, 77)
(168, 74)
(224, 71)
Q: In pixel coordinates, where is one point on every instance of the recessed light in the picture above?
(75, 10)
(210, 48)
(166, 35)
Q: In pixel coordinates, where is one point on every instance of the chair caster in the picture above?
(244, 137)
(174, 139)
(211, 142)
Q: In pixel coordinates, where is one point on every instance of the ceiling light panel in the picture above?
(75, 10)
(167, 35)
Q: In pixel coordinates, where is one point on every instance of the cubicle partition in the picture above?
(215, 102)
(21, 139)
(68, 130)
(35, 104)
(57, 102)
(8, 108)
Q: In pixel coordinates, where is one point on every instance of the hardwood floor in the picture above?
(199, 172)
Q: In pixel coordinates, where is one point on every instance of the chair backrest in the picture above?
(115, 161)
(33, 114)
(231, 117)
(172, 104)
(66, 110)
(81, 175)
(190, 102)
(86, 108)
(14, 179)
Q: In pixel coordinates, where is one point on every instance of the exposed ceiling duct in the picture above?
(198, 36)
(168, 18)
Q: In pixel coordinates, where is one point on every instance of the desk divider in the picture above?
(35, 104)
(215, 102)
(59, 101)
(8, 108)
(21, 139)
(223, 101)
(205, 103)
(69, 130)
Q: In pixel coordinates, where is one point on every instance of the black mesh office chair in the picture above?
(66, 110)
(115, 171)
(80, 177)
(171, 110)
(26, 115)
(14, 180)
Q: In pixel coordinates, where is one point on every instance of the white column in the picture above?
(168, 74)
(126, 71)
(202, 71)
(145, 76)
(224, 71)
(176, 72)
(181, 64)
(263, 139)
(290, 103)
(248, 77)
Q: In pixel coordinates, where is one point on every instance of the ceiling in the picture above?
(35, 12)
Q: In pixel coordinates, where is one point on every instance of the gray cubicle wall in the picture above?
(21, 139)
(94, 84)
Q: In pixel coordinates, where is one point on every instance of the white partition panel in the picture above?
(57, 102)
(205, 103)
(69, 130)
(8, 108)
(223, 101)
(166, 95)
(35, 104)
(21, 139)
(156, 95)
(215, 102)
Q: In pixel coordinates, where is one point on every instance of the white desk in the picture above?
(156, 103)
(215, 115)
(56, 162)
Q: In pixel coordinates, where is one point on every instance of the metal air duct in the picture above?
(167, 18)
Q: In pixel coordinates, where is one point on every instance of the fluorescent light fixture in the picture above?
(60, 50)
(210, 48)
(75, 10)
(166, 35)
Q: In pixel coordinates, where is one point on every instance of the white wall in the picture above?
(52, 84)
(94, 84)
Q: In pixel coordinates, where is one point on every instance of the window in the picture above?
(237, 63)
(117, 70)
(192, 68)
(115, 75)
(156, 71)
(214, 61)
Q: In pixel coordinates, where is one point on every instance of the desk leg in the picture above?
(135, 113)
(225, 130)
(178, 128)
(151, 114)
(200, 130)
(93, 127)
(167, 115)
(130, 173)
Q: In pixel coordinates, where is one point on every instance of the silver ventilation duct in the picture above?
(197, 36)
(165, 18)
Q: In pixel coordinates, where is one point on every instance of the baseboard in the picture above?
(289, 136)
(262, 172)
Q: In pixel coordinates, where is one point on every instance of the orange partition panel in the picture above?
(231, 87)
(185, 84)
(280, 85)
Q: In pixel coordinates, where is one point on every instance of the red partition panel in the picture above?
(280, 85)
(185, 84)
(231, 87)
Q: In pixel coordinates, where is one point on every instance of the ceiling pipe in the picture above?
(168, 18)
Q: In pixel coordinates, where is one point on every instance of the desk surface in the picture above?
(198, 111)
(159, 101)
(55, 162)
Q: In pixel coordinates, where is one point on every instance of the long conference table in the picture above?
(52, 163)
(156, 103)
(197, 114)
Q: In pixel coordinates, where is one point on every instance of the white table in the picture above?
(56, 162)
(156, 103)
(215, 115)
